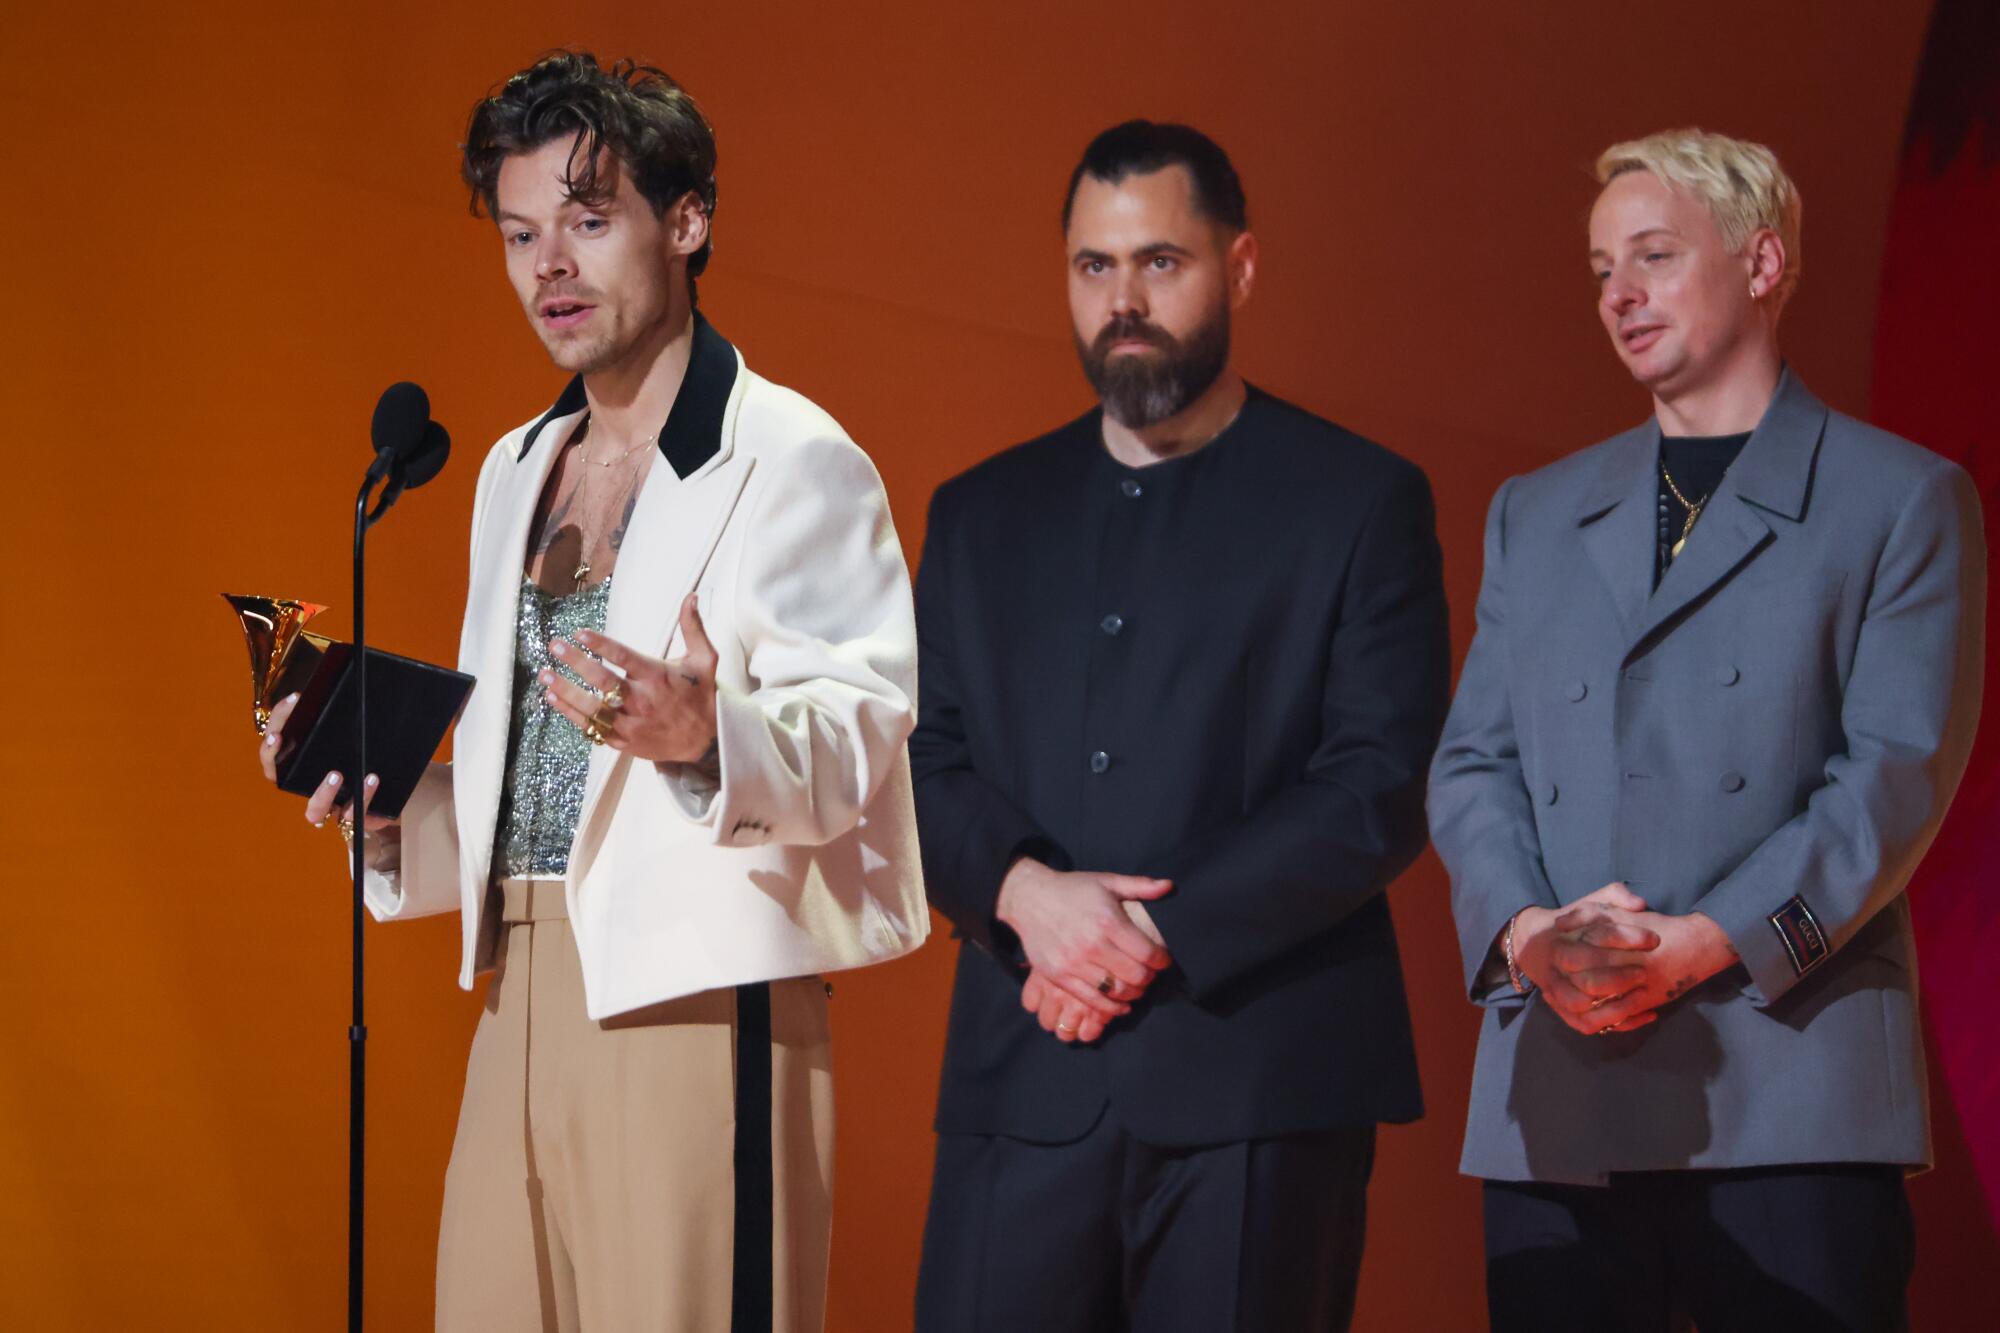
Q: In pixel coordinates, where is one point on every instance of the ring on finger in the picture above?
(1065, 1027)
(614, 698)
(1104, 987)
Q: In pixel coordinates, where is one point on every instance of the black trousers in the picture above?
(1800, 1249)
(1111, 1235)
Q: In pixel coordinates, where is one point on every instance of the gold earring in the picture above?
(1753, 291)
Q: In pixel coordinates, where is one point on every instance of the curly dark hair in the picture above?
(646, 119)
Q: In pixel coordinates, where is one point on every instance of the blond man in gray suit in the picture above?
(1724, 683)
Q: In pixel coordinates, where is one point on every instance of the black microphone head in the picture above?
(400, 414)
(429, 458)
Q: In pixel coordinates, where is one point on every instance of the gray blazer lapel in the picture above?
(1729, 533)
(1618, 521)
(1772, 476)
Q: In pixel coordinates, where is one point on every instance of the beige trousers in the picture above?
(591, 1184)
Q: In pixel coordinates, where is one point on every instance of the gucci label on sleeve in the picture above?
(1800, 930)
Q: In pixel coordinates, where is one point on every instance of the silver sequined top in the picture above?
(547, 755)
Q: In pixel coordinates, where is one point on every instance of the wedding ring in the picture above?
(1065, 1027)
(1104, 986)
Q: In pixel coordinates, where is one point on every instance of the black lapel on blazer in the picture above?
(570, 400)
(693, 431)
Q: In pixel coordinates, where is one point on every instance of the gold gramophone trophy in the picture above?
(411, 704)
(282, 654)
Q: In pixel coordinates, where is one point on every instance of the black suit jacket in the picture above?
(1228, 669)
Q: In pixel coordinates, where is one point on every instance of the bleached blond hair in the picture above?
(1741, 182)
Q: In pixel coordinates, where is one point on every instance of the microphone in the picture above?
(397, 429)
(424, 463)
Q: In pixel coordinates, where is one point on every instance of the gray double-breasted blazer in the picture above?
(1769, 737)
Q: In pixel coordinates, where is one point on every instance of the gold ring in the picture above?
(1104, 986)
(592, 733)
(614, 698)
(1065, 1027)
(346, 827)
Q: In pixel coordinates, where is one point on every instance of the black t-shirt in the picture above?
(1696, 464)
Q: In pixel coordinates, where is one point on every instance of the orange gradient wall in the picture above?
(229, 226)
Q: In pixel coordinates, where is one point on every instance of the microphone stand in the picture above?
(357, 1031)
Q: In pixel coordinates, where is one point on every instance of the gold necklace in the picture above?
(1693, 508)
(582, 570)
(615, 461)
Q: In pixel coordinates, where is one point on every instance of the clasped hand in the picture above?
(663, 710)
(1608, 964)
(1091, 948)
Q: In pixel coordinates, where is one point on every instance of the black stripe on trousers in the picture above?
(751, 1279)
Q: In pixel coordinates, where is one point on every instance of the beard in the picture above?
(1141, 389)
(588, 355)
(589, 350)
(614, 331)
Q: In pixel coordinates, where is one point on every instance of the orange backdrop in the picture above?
(231, 225)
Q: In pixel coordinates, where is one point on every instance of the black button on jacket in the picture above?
(1256, 727)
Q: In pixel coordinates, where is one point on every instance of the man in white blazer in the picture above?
(679, 791)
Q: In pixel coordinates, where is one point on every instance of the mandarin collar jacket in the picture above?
(1227, 669)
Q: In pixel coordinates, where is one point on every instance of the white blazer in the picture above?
(804, 859)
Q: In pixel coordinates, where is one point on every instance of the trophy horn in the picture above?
(281, 652)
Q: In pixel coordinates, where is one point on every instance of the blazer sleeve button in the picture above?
(1575, 690)
(1732, 781)
(1727, 675)
(1549, 793)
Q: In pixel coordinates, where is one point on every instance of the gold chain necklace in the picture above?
(615, 461)
(582, 570)
(1693, 508)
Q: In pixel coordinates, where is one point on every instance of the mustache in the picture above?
(1124, 328)
(566, 291)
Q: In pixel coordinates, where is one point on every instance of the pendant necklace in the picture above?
(582, 570)
(1693, 508)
